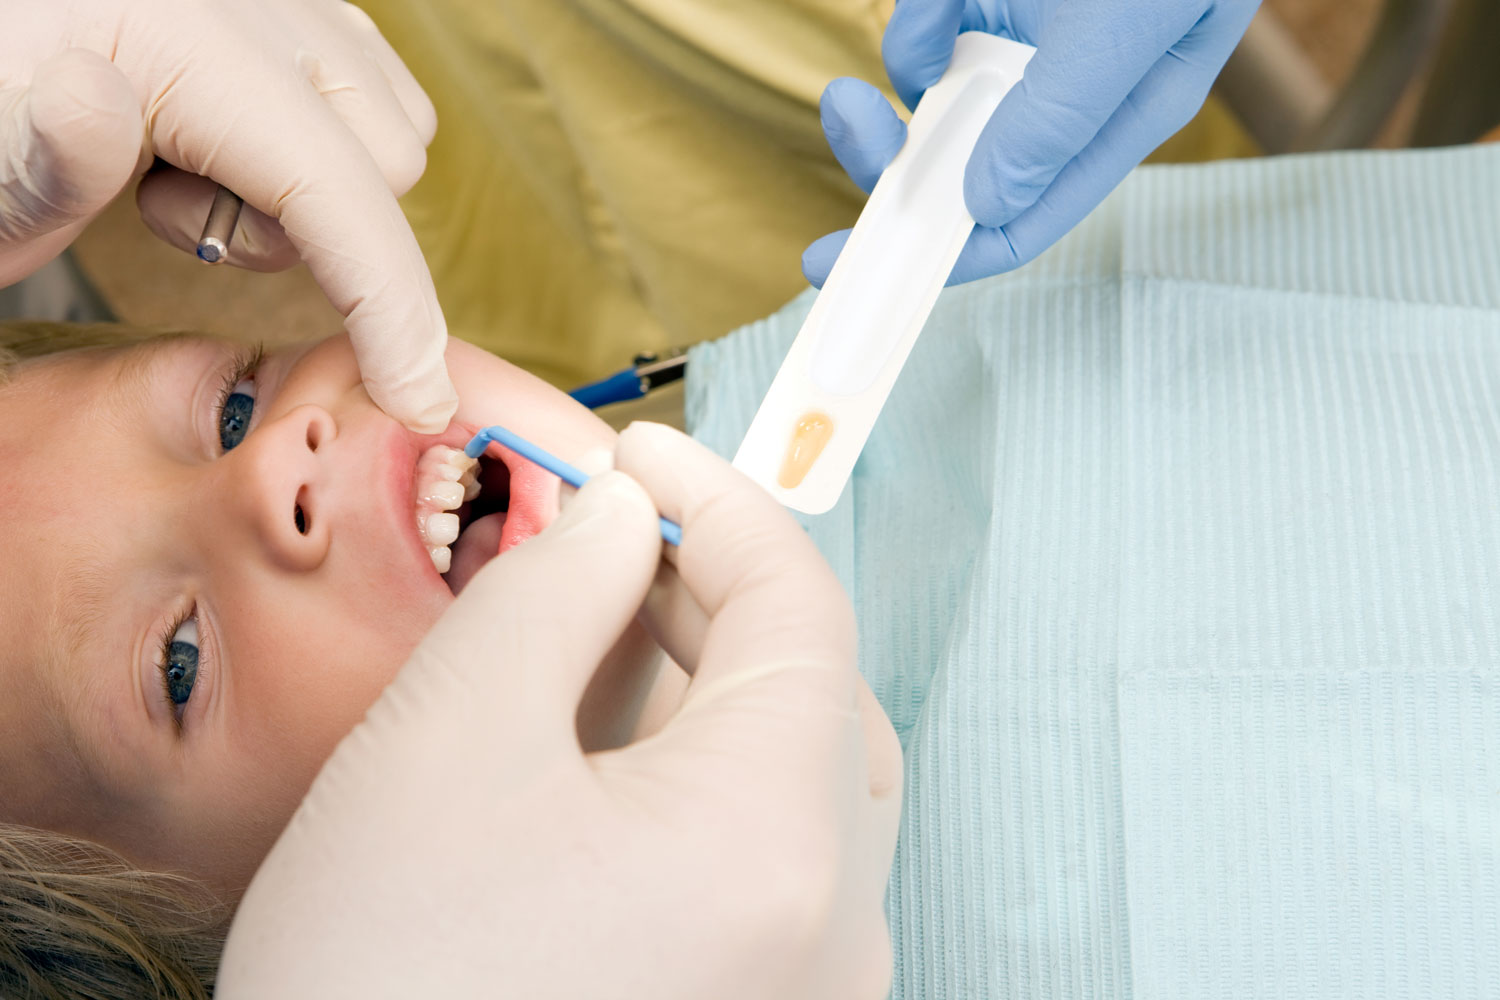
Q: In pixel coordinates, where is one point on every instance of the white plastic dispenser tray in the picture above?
(820, 409)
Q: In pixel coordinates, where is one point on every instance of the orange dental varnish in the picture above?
(808, 441)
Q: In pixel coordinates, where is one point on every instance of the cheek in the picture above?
(312, 677)
(321, 373)
(292, 693)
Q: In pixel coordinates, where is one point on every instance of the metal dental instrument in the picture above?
(671, 532)
(218, 230)
(649, 371)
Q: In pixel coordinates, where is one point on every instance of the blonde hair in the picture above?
(79, 921)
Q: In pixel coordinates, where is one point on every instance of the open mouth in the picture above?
(461, 515)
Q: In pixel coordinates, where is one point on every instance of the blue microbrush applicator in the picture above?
(671, 532)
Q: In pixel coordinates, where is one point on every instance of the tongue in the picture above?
(479, 543)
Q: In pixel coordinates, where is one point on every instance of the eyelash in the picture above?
(242, 367)
(164, 658)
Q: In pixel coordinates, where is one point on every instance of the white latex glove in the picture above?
(298, 106)
(459, 844)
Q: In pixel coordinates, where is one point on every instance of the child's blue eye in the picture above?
(234, 413)
(179, 671)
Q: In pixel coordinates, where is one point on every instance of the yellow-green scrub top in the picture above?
(612, 176)
(616, 175)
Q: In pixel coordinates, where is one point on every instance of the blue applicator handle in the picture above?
(617, 388)
(671, 532)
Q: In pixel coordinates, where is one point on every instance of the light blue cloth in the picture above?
(1177, 561)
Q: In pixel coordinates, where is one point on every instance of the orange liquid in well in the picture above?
(808, 440)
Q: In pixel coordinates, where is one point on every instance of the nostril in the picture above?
(319, 427)
(299, 513)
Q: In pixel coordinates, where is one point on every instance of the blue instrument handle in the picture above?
(617, 388)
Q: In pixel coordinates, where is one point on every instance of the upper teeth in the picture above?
(445, 494)
(445, 478)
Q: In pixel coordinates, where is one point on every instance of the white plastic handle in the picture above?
(883, 286)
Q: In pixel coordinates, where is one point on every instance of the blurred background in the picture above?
(1309, 75)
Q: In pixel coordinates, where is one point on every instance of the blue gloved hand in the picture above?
(1110, 81)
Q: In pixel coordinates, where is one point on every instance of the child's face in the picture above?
(289, 566)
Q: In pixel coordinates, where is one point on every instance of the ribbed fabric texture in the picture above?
(1177, 561)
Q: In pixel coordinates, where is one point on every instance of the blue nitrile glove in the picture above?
(1110, 81)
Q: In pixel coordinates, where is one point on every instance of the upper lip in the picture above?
(400, 450)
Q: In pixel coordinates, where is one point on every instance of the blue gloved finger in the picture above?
(988, 252)
(918, 44)
(817, 259)
(1165, 99)
(1090, 56)
(863, 129)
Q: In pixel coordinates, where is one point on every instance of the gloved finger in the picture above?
(174, 205)
(1164, 101)
(1090, 56)
(865, 134)
(335, 55)
(990, 251)
(863, 129)
(669, 613)
(775, 676)
(72, 140)
(673, 617)
(746, 549)
(918, 45)
(882, 748)
(525, 637)
(886, 769)
(360, 94)
(819, 257)
(681, 626)
(290, 156)
(414, 100)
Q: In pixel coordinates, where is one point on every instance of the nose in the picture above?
(278, 485)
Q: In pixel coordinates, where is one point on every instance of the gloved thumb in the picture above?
(518, 647)
(918, 45)
(73, 139)
(865, 135)
(818, 259)
(863, 130)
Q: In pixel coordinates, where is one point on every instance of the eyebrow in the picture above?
(139, 363)
(85, 595)
(77, 617)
